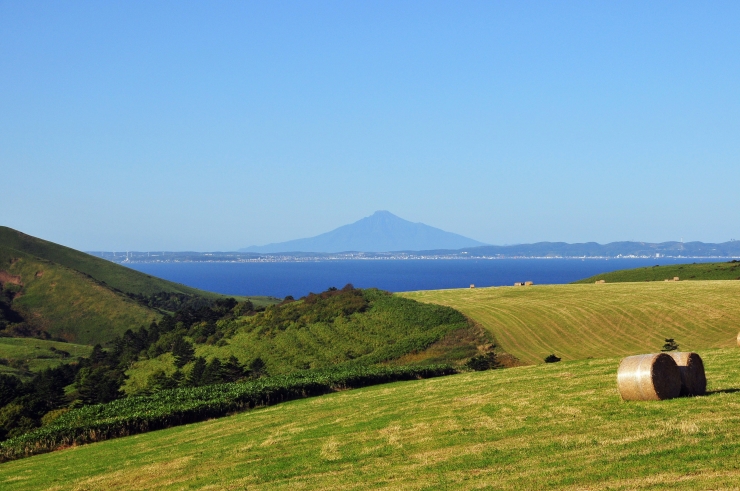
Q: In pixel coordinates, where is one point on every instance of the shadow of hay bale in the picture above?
(691, 368)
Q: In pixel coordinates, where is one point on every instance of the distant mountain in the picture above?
(381, 232)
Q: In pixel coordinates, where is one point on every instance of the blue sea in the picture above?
(279, 279)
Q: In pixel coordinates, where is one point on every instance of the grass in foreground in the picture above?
(180, 406)
(581, 321)
(558, 426)
(702, 271)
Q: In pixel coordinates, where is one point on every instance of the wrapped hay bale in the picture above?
(693, 379)
(652, 377)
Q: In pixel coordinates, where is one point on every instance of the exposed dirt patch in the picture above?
(459, 346)
(6, 277)
(508, 360)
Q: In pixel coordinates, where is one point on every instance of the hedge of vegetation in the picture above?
(175, 407)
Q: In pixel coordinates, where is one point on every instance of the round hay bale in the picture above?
(652, 377)
(738, 339)
(693, 379)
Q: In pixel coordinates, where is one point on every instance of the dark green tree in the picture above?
(487, 361)
(10, 388)
(98, 384)
(233, 370)
(182, 351)
(258, 368)
(670, 345)
(195, 378)
(212, 373)
(160, 381)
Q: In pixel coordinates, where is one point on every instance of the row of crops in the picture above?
(188, 405)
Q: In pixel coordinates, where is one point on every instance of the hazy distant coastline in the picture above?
(614, 251)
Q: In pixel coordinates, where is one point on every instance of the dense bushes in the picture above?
(227, 341)
(347, 326)
(174, 407)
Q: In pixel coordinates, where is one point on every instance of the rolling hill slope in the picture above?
(77, 297)
(685, 272)
(580, 321)
(110, 274)
(558, 426)
(24, 356)
(68, 304)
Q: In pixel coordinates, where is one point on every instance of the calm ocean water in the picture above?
(300, 278)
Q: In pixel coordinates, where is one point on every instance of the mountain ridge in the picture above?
(380, 232)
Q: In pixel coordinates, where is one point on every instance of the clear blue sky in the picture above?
(218, 125)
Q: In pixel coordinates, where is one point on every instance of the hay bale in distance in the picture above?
(528, 283)
(652, 377)
(738, 339)
(472, 285)
(693, 378)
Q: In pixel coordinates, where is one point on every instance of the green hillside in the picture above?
(560, 426)
(24, 356)
(701, 271)
(106, 272)
(348, 326)
(65, 303)
(49, 289)
(599, 320)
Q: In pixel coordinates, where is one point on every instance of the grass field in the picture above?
(689, 272)
(581, 321)
(35, 354)
(559, 426)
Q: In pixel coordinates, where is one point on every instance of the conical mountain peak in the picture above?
(380, 232)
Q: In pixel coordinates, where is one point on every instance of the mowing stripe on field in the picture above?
(581, 321)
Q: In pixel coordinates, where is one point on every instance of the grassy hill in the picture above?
(348, 326)
(702, 271)
(74, 296)
(68, 304)
(599, 320)
(23, 356)
(105, 272)
(560, 426)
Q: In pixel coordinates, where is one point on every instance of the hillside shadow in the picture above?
(722, 391)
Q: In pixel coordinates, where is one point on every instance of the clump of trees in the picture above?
(99, 377)
(670, 345)
(487, 361)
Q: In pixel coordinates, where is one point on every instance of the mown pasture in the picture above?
(599, 320)
(685, 272)
(558, 426)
